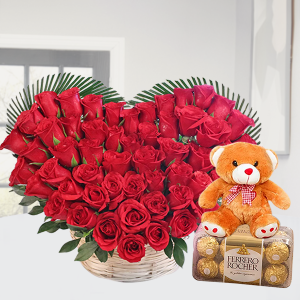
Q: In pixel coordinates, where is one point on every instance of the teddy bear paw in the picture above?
(266, 231)
(213, 229)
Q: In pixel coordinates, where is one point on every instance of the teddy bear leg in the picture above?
(264, 226)
(220, 223)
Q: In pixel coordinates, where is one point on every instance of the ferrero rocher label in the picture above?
(243, 257)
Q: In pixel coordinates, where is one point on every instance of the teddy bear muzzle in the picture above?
(246, 174)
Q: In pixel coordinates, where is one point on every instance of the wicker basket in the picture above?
(154, 264)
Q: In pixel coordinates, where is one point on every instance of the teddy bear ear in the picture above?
(273, 157)
(215, 154)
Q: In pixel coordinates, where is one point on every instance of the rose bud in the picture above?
(114, 136)
(168, 125)
(70, 189)
(203, 95)
(112, 113)
(156, 204)
(131, 117)
(238, 122)
(148, 133)
(183, 97)
(90, 151)
(27, 121)
(107, 232)
(134, 185)
(246, 138)
(36, 187)
(198, 182)
(220, 107)
(182, 223)
(113, 182)
(147, 111)
(46, 101)
(36, 151)
(66, 152)
(96, 196)
(92, 107)
(131, 142)
(154, 180)
(213, 175)
(22, 172)
(199, 158)
(179, 173)
(49, 130)
(72, 127)
(56, 206)
(88, 174)
(95, 130)
(165, 103)
(180, 197)
(147, 158)
(173, 150)
(157, 234)
(81, 215)
(70, 102)
(188, 116)
(132, 247)
(116, 162)
(133, 216)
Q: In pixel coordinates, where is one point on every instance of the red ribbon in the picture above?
(247, 193)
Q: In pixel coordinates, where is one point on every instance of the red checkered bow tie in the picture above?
(247, 194)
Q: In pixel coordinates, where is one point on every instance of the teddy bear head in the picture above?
(243, 163)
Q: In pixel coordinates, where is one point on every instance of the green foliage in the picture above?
(69, 246)
(86, 250)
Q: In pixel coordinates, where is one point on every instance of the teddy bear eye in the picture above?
(235, 163)
(256, 164)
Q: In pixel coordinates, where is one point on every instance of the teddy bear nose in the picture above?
(249, 171)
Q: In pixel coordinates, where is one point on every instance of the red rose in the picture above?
(48, 130)
(107, 232)
(95, 130)
(66, 152)
(199, 158)
(173, 150)
(36, 187)
(165, 103)
(220, 107)
(88, 174)
(182, 223)
(70, 189)
(132, 247)
(198, 182)
(154, 180)
(238, 122)
(81, 215)
(131, 117)
(180, 197)
(52, 173)
(134, 185)
(27, 120)
(56, 206)
(203, 95)
(46, 101)
(70, 102)
(246, 138)
(134, 217)
(179, 172)
(112, 113)
(72, 126)
(149, 133)
(156, 204)
(96, 196)
(92, 107)
(183, 97)
(116, 162)
(147, 158)
(168, 125)
(114, 136)
(157, 234)
(113, 182)
(147, 111)
(22, 172)
(36, 151)
(130, 143)
(213, 175)
(212, 131)
(90, 151)
(188, 116)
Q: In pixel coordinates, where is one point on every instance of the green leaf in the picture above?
(180, 243)
(97, 113)
(47, 218)
(19, 189)
(47, 226)
(54, 229)
(69, 246)
(36, 210)
(74, 162)
(84, 161)
(46, 152)
(98, 164)
(27, 142)
(121, 123)
(119, 147)
(111, 253)
(36, 164)
(28, 200)
(178, 255)
(77, 137)
(63, 226)
(101, 254)
(58, 113)
(76, 228)
(86, 250)
(55, 140)
(78, 234)
(171, 162)
(169, 249)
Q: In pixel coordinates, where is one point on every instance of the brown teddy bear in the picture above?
(245, 188)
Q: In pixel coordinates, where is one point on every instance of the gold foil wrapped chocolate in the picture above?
(277, 252)
(276, 274)
(222, 247)
(208, 247)
(221, 267)
(207, 267)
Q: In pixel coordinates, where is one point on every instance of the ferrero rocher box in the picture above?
(241, 258)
